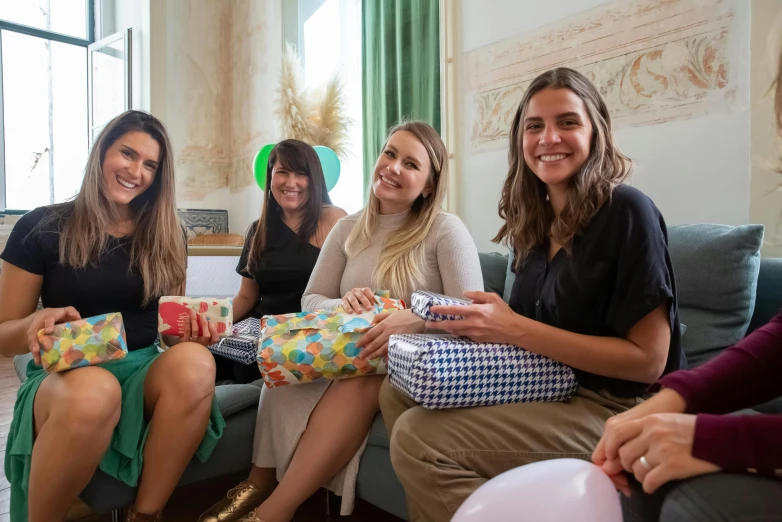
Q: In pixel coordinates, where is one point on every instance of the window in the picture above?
(44, 113)
(327, 36)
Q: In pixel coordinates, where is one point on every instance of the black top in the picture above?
(111, 286)
(283, 271)
(619, 272)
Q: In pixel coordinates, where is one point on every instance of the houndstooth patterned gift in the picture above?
(422, 301)
(242, 345)
(440, 371)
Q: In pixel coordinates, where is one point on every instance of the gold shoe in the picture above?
(240, 501)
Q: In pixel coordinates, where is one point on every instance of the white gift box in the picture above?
(440, 371)
(422, 302)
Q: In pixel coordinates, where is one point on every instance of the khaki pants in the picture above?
(442, 456)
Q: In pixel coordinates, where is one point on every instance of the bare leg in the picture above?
(263, 478)
(339, 423)
(75, 415)
(178, 393)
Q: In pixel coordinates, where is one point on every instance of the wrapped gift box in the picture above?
(421, 302)
(85, 342)
(311, 346)
(242, 345)
(440, 371)
(173, 311)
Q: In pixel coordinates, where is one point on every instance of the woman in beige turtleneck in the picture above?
(313, 435)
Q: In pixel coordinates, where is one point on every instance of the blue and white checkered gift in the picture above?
(440, 371)
(242, 345)
(422, 301)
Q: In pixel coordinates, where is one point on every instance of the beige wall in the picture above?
(765, 196)
(214, 67)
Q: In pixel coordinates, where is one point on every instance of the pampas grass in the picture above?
(316, 117)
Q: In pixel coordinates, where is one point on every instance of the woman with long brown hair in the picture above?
(116, 247)
(281, 248)
(679, 456)
(594, 290)
(313, 435)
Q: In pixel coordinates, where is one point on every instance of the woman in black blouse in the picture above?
(279, 253)
(594, 289)
(116, 247)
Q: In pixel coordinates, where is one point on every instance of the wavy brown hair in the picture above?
(524, 206)
(158, 250)
(295, 156)
(399, 268)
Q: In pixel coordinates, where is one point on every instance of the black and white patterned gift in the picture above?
(422, 302)
(439, 371)
(242, 345)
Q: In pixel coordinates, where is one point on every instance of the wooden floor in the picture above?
(188, 502)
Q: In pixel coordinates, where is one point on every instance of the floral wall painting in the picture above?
(653, 60)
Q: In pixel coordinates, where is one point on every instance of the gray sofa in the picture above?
(725, 290)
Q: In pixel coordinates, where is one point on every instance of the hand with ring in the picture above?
(656, 449)
(199, 330)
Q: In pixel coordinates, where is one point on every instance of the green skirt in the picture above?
(124, 457)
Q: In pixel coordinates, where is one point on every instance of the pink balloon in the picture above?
(552, 490)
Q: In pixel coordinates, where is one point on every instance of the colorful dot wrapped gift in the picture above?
(173, 311)
(311, 346)
(85, 342)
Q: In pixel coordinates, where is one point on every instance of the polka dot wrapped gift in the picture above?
(312, 346)
(86, 342)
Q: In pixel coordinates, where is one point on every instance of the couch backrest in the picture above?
(768, 300)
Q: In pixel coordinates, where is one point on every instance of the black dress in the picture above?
(282, 275)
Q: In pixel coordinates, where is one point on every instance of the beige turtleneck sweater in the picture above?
(452, 265)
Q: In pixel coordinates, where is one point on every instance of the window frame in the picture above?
(42, 34)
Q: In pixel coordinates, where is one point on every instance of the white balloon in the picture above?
(551, 490)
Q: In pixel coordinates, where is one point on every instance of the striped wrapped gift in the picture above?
(242, 345)
(422, 302)
(440, 371)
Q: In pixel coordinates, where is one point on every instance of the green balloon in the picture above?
(328, 161)
(261, 164)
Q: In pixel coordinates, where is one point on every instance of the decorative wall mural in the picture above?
(653, 61)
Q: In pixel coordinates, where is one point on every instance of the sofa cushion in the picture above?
(233, 398)
(378, 436)
(493, 267)
(716, 269)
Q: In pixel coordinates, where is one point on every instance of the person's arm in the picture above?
(19, 293)
(744, 375)
(323, 288)
(246, 299)
(640, 358)
(457, 258)
(738, 443)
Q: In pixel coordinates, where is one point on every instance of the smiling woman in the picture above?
(594, 290)
(116, 247)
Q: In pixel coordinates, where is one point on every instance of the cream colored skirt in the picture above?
(283, 414)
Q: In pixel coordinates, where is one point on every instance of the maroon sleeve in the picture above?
(740, 443)
(744, 375)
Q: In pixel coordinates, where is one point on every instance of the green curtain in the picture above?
(401, 69)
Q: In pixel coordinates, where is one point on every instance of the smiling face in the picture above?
(290, 189)
(402, 173)
(557, 134)
(129, 167)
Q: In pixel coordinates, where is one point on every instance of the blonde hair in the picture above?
(158, 250)
(524, 206)
(400, 265)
